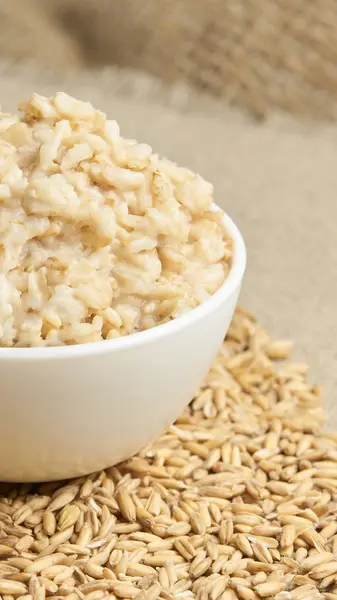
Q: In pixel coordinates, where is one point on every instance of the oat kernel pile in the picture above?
(236, 501)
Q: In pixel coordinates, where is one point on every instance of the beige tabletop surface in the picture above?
(278, 180)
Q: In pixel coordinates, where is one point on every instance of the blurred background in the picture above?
(259, 55)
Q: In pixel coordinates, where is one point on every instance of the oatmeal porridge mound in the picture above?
(99, 237)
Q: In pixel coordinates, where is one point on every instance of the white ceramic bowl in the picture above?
(70, 410)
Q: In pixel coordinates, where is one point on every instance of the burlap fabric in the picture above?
(27, 31)
(260, 55)
(256, 54)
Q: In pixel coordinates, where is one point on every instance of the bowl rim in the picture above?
(231, 283)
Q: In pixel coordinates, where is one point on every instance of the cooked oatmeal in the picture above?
(99, 237)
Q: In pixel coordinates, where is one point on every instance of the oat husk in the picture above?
(237, 500)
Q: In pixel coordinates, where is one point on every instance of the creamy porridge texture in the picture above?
(99, 237)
